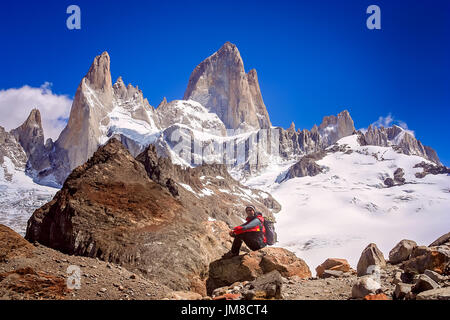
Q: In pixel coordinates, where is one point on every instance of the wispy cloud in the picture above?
(17, 103)
(389, 121)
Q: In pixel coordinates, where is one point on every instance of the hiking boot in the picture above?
(229, 255)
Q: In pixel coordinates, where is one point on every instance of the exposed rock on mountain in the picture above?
(12, 155)
(30, 135)
(100, 111)
(93, 101)
(221, 85)
(334, 128)
(307, 166)
(429, 168)
(165, 230)
(403, 141)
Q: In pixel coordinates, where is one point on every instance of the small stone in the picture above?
(332, 274)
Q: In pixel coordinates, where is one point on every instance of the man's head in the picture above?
(250, 210)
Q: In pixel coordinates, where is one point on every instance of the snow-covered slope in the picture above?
(338, 213)
(19, 196)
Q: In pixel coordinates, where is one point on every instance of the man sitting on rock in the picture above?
(251, 232)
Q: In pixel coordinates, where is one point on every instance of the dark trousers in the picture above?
(253, 240)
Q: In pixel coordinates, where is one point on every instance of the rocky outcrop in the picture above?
(429, 168)
(306, 166)
(371, 258)
(334, 128)
(247, 267)
(221, 85)
(401, 140)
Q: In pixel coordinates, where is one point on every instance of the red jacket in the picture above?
(252, 226)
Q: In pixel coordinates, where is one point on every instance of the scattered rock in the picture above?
(424, 283)
(333, 264)
(370, 257)
(401, 290)
(435, 294)
(401, 251)
(229, 296)
(332, 273)
(364, 286)
(268, 285)
(184, 295)
(436, 259)
(398, 176)
(389, 182)
(435, 276)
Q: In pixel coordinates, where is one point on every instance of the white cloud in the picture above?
(16, 105)
(389, 120)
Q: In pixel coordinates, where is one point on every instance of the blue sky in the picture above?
(314, 58)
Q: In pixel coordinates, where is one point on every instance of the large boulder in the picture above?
(401, 251)
(248, 267)
(333, 264)
(370, 257)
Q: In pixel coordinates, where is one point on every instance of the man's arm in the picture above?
(248, 225)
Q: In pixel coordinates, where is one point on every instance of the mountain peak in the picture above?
(221, 84)
(228, 46)
(30, 134)
(99, 74)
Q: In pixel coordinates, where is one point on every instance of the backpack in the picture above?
(271, 235)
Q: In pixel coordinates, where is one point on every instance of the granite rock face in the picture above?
(334, 128)
(221, 84)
